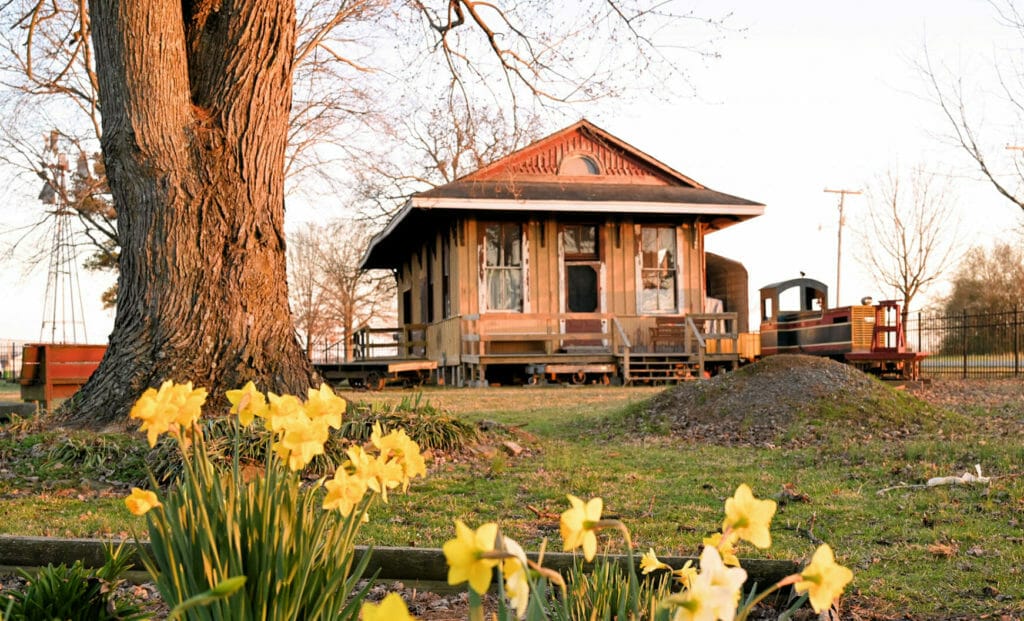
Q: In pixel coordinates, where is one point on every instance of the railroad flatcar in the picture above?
(796, 319)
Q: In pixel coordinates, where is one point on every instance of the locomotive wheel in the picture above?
(375, 381)
(579, 378)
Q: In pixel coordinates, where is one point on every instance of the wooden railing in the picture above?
(408, 341)
(515, 333)
(450, 340)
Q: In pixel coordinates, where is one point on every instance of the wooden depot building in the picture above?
(577, 258)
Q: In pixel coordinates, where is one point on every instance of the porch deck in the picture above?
(575, 347)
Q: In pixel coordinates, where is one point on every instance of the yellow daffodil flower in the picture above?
(577, 526)
(749, 518)
(281, 409)
(649, 563)
(517, 587)
(724, 583)
(190, 403)
(686, 574)
(344, 492)
(168, 409)
(513, 569)
(391, 608)
(141, 501)
(379, 473)
(691, 605)
(465, 555)
(300, 440)
(247, 403)
(726, 547)
(324, 404)
(712, 594)
(823, 579)
(399, 447)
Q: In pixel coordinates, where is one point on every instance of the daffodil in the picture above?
(578, 523)
(399, 447)
(324, 404)
(391, 608)
(649, 563)
(823, 579)
(513, 569)
(693, 604)
(749, 518)
(723, 583)
(141, 501)
(379, 473)
(726, 547)
(712, 594)
(281, 409)
(168, 409)
(466, 555)
(344, 492)
(247, 403)
(189, 402)
(300, 440)
(686, 574)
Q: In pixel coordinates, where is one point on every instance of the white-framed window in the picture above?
(503, 265)
(658, 269)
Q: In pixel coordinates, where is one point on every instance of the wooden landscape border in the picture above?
(392, 563)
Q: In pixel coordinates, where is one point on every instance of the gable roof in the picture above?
(621, 179)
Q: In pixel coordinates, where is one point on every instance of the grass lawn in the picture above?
(933, 553)
(9, 391)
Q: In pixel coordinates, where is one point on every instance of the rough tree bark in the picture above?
(195, 98)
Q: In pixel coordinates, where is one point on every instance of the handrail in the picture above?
(693, 328)
(622, 333)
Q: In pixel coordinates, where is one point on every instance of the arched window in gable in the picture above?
(578, 165)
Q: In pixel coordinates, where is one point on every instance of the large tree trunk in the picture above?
(195, 97)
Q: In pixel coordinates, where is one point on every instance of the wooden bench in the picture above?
(670, 336)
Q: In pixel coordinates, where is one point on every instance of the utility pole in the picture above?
(839, 240)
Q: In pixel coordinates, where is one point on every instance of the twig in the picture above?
(900, 486)
(544, 515)
(807, 532)
(810, 531)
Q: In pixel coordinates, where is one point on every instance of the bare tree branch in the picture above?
(905, 241)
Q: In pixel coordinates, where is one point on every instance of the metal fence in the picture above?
(969, 345)
(10, 360)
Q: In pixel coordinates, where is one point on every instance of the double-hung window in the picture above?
(503, 266)
(658, 269)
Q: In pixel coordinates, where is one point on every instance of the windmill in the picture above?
(63, 318)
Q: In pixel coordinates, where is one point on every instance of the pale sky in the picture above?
(813, 94)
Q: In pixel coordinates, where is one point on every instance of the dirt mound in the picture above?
(785, 400)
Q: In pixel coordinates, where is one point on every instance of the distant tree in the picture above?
(306, 295)
(352, 297)
(987, 281)
(423, 148)
(905, 235)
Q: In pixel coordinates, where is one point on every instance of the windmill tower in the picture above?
(63, 318)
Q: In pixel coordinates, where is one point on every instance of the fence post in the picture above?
(963, 326)
(919, 349)
(1016, 342)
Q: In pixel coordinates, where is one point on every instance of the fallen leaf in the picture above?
(943, 550)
